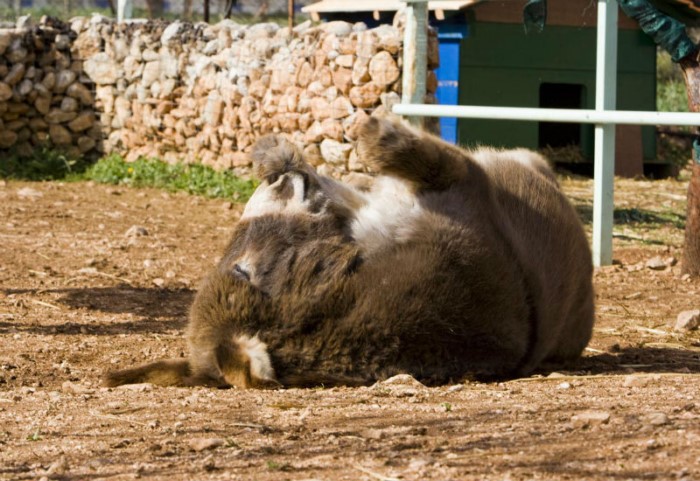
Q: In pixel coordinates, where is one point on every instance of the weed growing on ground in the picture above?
(191, 178)
(47, 163)
(44, 163)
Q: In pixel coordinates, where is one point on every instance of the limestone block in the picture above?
(5, 92)
(332, 129)
(352, 124)
(69, 104)
(64, 79)
(102, 69)
(383, 69)
(43, 105)
(15, 75)
(342, 80)
(79, 91)
(83, 121)
(59, 135)
(25, 87)
(335, 152)
(304, 74)
(341, 107)
(6, 37)
(389, 38)
(365, 96)
(58, 116)
(346, 61)
(151, 73)
(360, 71)
(320, 108)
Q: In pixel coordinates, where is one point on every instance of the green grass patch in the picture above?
(44, 163)
(48, 163)
(191, 178)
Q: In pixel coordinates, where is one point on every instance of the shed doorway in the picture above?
(557, 135)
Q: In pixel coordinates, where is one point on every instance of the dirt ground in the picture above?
(94, 277)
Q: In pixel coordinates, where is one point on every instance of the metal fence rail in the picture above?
(604, 117)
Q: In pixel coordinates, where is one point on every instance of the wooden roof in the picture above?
(325, 6)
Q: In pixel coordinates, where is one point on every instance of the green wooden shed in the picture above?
(486, 58)
(500, 65)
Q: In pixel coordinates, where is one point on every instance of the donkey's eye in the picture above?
(241, 273)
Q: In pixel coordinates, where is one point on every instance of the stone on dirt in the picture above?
(29, 193)
(656, 264)
(688, 320)
(58, 468)
(136, 231)
(590, 418)
(203, 444)
(657, 419)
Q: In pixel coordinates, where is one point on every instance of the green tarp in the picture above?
(662, 20)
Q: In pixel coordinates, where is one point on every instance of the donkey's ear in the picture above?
(273, 155)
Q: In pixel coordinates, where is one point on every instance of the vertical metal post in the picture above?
(604, 158)
(290, 17)
(415, 55)
(125, 9)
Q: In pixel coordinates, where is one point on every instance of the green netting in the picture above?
(666, 31)
(535, 16)
(685, 11)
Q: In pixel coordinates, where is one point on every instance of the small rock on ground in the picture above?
(657, 419)
(656, 264)
(590, 418)
(136, 231)
(203, 444)
(688, 320)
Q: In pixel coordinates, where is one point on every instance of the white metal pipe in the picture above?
(631, 117)
(125, 9)
(604, 146)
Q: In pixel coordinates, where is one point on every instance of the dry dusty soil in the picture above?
(82, 290)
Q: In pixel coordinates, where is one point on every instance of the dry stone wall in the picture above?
(198, 93)
(45, 97)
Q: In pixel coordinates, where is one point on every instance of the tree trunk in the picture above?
(229, 8)
(691, 254)
(262, 10)
(155, 8)
(187, 9)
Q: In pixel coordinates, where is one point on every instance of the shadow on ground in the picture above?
(640, 359)
(154, 310)
(633, 216)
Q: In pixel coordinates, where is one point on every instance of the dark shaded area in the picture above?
(632, 216)
(638, 359)
(45, 163)
(158, 310)
(560, 96)
(147, 302)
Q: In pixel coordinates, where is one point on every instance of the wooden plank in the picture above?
(382, 5)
